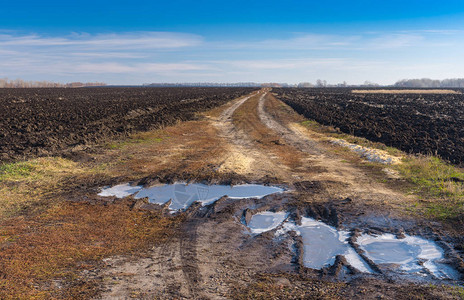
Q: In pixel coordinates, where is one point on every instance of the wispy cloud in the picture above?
(137, 57)
(302, 41)
(397, 40)
(133, 40)
(81, 53)
(281, 64)
(136, 68)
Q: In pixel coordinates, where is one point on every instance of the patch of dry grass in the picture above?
(189, 147)
(53, 245)
(27, 183)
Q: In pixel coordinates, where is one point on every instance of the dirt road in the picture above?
(258, 139)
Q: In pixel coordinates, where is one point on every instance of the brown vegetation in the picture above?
(42, 256)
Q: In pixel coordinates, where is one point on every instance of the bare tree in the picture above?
(19, 83)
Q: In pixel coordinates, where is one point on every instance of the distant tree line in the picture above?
(204, 84)
(431, 83)
(319, 83)
(323, 83)
(19, 83)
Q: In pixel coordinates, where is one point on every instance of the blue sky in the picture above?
(134, 42)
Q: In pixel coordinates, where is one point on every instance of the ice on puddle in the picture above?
(119, 191)
(182, 195)
(411, 255)
(265, 221)
(407, 253)
(322, 243)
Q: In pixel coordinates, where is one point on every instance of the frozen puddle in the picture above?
(266, 221)
(409, 255)
(120, 191)
(322, 243)
(182, 195)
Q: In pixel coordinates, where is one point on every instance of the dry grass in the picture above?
(52, 247)
(190, 148)
(423, 91)
(27, 183)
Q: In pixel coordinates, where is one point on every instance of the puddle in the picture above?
(408, 255)
(266, 221)
(182, 195)
(322, 243)
(120, 191)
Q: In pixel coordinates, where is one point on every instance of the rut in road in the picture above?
(243, 156)
(297, 140)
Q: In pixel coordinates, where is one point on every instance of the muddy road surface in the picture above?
(215, 255)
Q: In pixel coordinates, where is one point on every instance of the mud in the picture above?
(215, 252)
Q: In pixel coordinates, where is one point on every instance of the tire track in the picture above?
(293, 138)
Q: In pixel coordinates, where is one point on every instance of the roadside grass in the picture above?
(458, 291)
(433, 175)
(44, 168)
(46, 240)
(25, 182)
(440, 183)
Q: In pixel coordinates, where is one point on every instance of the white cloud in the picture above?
(103, 55)
(397, 40)
(135, 68)
(162, 67)
(134, 40)
(101, 68)
(282, 64)
(302, 41)
(162, 56)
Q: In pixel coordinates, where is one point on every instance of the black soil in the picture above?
(415, 123)
(35, 122)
